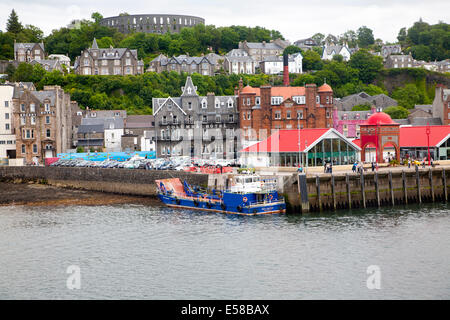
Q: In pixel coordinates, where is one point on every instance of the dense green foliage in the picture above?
(71, 41)
(397, 112)
(426, 42)
(361, 107)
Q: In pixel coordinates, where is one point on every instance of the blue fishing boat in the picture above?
(248, 195)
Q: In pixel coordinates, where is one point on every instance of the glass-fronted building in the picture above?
(308, 147)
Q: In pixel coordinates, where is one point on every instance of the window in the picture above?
(257, 101)
(243, 116)
(299, 99)
(299, 114)
(47, 107)
(230, 103)
(6, 104)
(248, 101)
(7, 126)
(35, 148)
(278, 115)
(189, 105)
(23, 148)
(277, 100)
(231, 118)
(218, 118)
(22, 107)
(6, 116)
(28, 134)
(204, 105)
(32, 107)
(249, 115)
(217, 103)
(328, 114)
(22, 121)
(33, 120)
(317, 99)
(48, 133)
(288, 114)
(205, 119)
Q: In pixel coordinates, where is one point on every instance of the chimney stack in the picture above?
(285, 70)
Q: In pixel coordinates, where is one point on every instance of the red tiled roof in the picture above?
(287, 141)
(285, 92)
(417, 137)
(325, 88)
(249, 89)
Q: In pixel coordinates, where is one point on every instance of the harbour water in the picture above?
(152, 252)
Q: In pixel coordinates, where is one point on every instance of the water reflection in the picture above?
(137, 251)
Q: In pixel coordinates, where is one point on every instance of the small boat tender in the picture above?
(249, 195)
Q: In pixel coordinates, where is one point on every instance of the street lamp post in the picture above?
(299, 148)
(428, 131)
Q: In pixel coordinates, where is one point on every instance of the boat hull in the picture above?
(278, 207)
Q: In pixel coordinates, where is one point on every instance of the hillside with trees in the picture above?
(363, 72)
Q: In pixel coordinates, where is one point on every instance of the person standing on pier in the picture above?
(354, 167)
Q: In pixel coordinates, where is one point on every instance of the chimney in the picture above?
(241, 84)
(286, 70)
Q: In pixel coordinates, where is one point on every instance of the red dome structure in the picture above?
(325, 88)
(380, 131)
(380, 118)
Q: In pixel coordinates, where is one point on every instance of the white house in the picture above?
(274, 64)
(239, 61)
(113, 134)
(330, 50)
(7, 136)
(63, 59)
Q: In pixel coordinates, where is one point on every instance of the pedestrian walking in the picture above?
(354, 167)
(373, 166)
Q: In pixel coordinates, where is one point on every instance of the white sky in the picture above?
(295, 19)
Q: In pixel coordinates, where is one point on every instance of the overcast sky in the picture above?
(295, 19)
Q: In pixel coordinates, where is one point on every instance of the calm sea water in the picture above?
(141, 252)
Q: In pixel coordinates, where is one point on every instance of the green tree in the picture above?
(96, 17)
(367, 64)
(312, 61)
(291, 50)
(397, 112)
(13, 25)
(38, 73)
(361, 107)
(401, 37)
(407, 96)
(365, 37)
(24, 73)
(338, 58)
(318, 38)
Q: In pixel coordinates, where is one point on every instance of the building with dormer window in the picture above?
(109, 61)
(194, 125)
(267, 109)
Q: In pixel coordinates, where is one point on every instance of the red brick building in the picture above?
(266, 109)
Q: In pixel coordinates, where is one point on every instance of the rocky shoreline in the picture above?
(35, 194)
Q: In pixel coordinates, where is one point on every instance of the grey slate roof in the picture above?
(261, 45)
(420, 121)
(106, 122)
(26, 46)
(186, 59)
(142, 121)
(91, 128)
(51, 63)
(43, 95)
(237, 53)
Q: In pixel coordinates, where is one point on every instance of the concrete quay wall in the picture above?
(121, 181)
